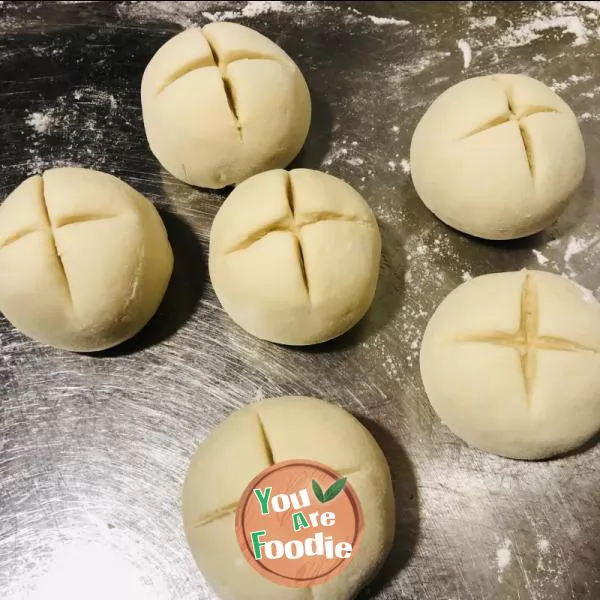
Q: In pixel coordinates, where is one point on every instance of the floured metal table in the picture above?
(93, 449)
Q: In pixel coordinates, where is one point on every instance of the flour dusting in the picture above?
(41, 122)
(387, 20)
(465, 48)
(542, 260)
(503, 557)
(543, 545)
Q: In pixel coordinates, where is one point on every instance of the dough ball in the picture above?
(222, 103)
(84, 259)
(510, 363)
(497, 156)
(249, 441)
(294, 256)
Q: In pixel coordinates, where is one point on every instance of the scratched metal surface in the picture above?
(93, 449)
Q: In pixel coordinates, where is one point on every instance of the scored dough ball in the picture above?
(510, 363)
(249, 441)
(294, 256)
(223, 103)
(497, 156)
(84, 259)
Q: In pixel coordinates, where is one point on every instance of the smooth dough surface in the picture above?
(497, 156)
(236, 451)
(84, 259)
(222, 103)
(294, 256)
(510, 363)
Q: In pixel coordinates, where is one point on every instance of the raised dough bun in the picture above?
(240, 448)
(223, 103)
(510, 363)
(294, 256)
(84, 259)
(497, 156)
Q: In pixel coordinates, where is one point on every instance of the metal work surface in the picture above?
(94, 448)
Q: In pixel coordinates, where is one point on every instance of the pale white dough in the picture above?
(510, 363)
(222, 103)
(497, 156)
(84, 259)
(240, 448)
(294, 256)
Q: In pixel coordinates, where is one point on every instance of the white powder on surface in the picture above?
(592, 5)
(387, 20)
(355, 161)
(466, 276)
(503, 557)
(576, 246)
(586, 294)
(542, 260)
(482, 23)
(559, 86)
(465, 48)
(395, 128)
(533, 30)
(254, 9)
(405, 166)
(543, 545)
(41, 122)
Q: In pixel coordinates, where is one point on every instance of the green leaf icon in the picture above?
(335, 488)
(318, 491)
(332, 491)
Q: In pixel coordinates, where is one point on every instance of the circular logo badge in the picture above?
(299, 523)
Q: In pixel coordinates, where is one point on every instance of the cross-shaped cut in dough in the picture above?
(526, 340)
(517, 116)
(49, 225)
(215, 59)
(293, 223)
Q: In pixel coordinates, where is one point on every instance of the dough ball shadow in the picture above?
(318, 141)
(406, 497)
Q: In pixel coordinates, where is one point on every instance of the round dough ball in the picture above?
(223, 103)
(249, 441)
(84, 259)
(510, 363)
(497, 156)
(294, 256)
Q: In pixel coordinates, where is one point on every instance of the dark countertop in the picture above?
(93, 449)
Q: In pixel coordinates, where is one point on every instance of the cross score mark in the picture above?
(517, 116)
(526, 340)
(293, 223)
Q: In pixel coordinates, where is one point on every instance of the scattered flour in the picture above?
(466, 276)
(533, 30)
(542, 260)
(254, 9)
(405, 166)
(395, 128)
(503, 557)
(559, 86)
(465, 48)
(387, 20)
(576, 246)
(586, 294)
(259, 395)
(543, 545)
(483, 22)
(41, 122)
